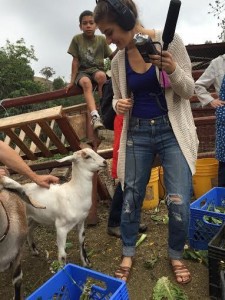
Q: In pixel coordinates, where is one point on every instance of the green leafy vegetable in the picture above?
(151, 262)
(200, 256)
(86, 290)
(69, 245)
(164, 219)
(56, 266)
(142, 238)
(166, 290)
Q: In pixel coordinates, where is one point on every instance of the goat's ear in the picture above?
(67, 158)
(84, 154)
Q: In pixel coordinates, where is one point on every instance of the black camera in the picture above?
(145, 46)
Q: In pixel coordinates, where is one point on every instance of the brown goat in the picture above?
(13, 233)
(13, 229)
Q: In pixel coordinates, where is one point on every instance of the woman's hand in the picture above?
(164, 61)
(123, 105)
(217, 103)
(45, 180)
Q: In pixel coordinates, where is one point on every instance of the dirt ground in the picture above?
(105, 257)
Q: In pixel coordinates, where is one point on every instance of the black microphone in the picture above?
(171, 22)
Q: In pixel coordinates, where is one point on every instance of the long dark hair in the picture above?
(104, 11)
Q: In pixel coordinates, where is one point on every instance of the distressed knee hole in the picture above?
(129, 143)
(174, 198)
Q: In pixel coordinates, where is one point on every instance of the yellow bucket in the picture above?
(152, 191)
(206, 176)
(162, 189)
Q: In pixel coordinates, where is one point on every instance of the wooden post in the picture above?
(92, 136)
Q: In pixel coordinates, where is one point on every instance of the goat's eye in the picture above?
(87, 156)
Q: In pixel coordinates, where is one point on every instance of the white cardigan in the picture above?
(177, 98)
(212, 75)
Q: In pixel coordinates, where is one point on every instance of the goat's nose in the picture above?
(105, 162)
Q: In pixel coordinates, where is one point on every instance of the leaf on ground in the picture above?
(56, 266)
(156, 218)
(69, 245)
(150, 263)
(200, 256)
(141, 239)
(164, 289)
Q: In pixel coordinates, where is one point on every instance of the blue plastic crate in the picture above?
(201, 230)
(69, 282)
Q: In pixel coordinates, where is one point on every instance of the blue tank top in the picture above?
(148, 95)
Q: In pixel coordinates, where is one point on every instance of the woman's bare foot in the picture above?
(181, 272)
(123, 271)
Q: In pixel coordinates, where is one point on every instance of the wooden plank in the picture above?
(78, 122)
(63, 140)
(205, 120)
(35, 116)
(37, 131)
(22, 136)
(102, 190)
(106, 153)
(53, 137)
(15, 139)
(206, 154)
(7, 140)
(48, 139)
(42, 97)
(69, 133)
(46, 165)
(36, 140)
(75, 109)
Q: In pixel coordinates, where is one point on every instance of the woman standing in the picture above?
(154, 99)
(215, 75)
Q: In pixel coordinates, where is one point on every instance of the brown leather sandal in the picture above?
(122, 273)
(181, 271)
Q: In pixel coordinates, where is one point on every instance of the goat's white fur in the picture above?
(67, 205)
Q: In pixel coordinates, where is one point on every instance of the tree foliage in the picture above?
(47, 72)
(58, 83)
(17, 79)
(217, 8)
(16, 74)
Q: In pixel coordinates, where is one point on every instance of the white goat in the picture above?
(67, 205)
(13, 231)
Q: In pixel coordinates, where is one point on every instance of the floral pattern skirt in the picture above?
(220, 133)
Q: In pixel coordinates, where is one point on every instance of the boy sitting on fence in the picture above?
(88, 51)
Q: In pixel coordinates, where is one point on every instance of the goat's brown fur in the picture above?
(11, 245)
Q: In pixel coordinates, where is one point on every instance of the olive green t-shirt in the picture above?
(90, 52)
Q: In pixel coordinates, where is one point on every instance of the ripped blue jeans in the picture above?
(145, 139)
